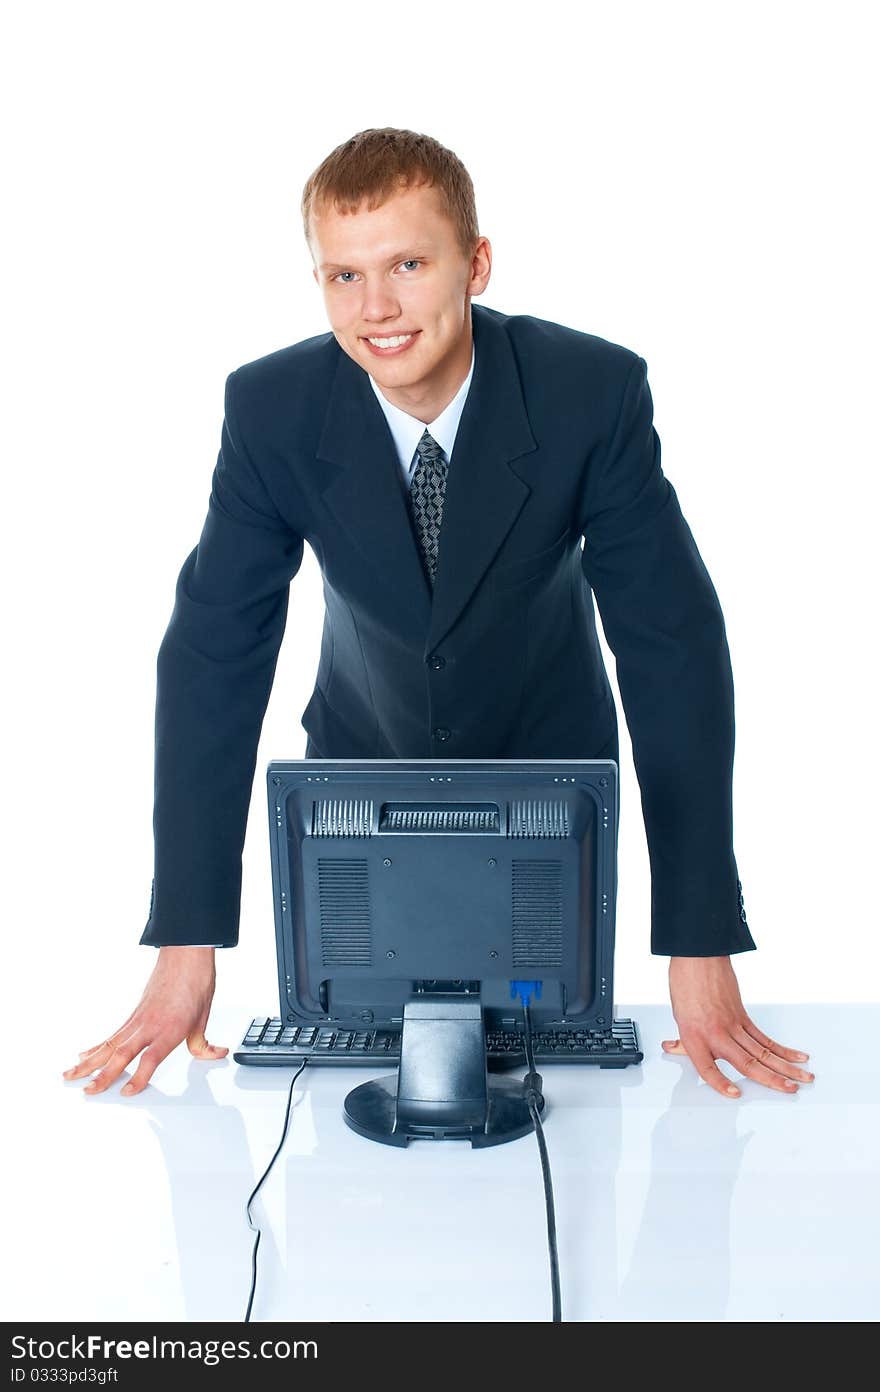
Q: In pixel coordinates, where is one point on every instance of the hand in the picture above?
(175, 1006)
(713, 1024)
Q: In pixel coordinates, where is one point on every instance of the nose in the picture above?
(380, 302)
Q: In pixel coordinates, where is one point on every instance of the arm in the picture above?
(663, 622)
(215, 671)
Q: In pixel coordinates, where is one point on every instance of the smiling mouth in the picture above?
(389, 341)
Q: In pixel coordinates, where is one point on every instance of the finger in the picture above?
(673, 1046)
(111, 1038)
(200, 1048)
(705, 1065)
(150, 1060)
(755, 1068)
(97, 1048)
(120, 1058)
(780, 1049)
(96, 1058)
(765, 1055)
(703, 1061)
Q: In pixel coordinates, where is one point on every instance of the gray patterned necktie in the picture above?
(426, 493)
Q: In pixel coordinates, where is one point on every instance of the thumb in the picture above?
(673, 1046)
(200, 1048)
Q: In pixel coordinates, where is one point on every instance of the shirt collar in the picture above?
(407, 430)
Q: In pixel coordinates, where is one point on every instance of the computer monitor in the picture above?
(415, 894)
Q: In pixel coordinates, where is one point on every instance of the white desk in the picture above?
(672, 1202)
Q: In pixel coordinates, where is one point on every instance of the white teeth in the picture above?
(391, 342)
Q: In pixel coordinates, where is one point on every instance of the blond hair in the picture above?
(376, 163)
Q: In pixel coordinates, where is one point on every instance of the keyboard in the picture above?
(271, 1042)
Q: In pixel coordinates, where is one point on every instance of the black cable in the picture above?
(533, 1084)
(257, 1189)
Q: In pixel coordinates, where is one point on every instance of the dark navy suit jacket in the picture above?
(555, 494)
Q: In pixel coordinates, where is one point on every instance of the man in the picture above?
(459, 590)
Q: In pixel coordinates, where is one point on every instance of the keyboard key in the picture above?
(275, 1041)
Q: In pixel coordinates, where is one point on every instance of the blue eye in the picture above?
(411, 261)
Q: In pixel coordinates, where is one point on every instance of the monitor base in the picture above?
(371, 1111)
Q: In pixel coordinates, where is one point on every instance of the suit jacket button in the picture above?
(441, 733)
(436, 661)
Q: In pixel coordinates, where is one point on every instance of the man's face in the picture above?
(399, 270)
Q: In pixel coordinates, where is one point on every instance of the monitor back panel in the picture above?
(461, 871)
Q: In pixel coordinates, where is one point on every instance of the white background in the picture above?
(692, 180)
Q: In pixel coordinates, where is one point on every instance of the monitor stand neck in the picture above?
(442, 1091)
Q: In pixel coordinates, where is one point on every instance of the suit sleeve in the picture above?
(214, 674)
(663, 622)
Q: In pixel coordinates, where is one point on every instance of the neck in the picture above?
(427, 399)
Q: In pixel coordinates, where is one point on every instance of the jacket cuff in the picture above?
(714, 933)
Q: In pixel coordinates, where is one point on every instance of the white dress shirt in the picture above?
(407, 430)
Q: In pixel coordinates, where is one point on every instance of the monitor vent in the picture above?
(538, 817)
(342, 817)
(434, 817)
(344, 901)
(537, 913)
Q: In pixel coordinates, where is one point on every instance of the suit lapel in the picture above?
(484, 495)
(366, 492)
